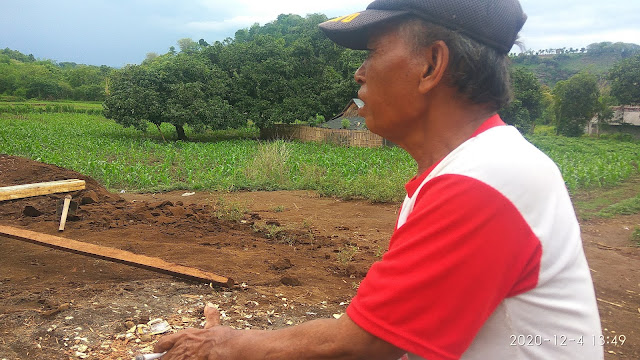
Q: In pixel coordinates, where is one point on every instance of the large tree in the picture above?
(625, 80)
(286, 70)
(526, 106)
(180, 90)
(575, 103)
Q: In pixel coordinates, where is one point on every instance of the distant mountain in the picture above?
(553, 65)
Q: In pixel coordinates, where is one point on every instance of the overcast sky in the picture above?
(119, 32)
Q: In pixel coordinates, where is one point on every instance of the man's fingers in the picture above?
(212, 316)
(166, 343)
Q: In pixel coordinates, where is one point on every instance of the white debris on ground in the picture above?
(129, 320)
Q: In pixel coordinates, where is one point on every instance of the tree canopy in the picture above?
(176, 89)
(625, 80)
(526, 106)
(284, 71)
(22, 76)
(576, 103)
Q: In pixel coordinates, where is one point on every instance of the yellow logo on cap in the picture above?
(345, 19)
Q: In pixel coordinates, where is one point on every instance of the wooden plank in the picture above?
(114, 255)
(44, 188)
(65, 212)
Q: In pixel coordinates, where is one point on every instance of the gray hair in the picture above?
(478, 71)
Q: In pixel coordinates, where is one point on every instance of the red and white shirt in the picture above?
(486, 261)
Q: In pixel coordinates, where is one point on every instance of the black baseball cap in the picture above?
(495, 23)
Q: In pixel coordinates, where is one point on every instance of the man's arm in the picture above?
(318, 339)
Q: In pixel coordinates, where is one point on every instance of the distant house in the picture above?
(626, 120)
(332, 131)
(350, 112)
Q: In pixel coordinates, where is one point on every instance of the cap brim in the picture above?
(353, 31)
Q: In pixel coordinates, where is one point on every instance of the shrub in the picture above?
(635, 236)
(544, 130)
(316, 120)
(269, 169)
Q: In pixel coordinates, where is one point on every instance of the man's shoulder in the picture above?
(501, 157)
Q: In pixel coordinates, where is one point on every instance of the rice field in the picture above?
(127, 159)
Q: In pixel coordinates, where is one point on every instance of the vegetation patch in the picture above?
(229, 211)
(131, 160)
(623, 199)
(269, 169)
(589, 162)
(635, 236)
(347, 253)
(19, 108)
(625, 207)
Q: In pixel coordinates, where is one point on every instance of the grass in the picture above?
(625, 207)
(26, 107)
(635, 236)
(127, 159)
(347, 253)
(39, 103)
(623, 199)
(229, 211)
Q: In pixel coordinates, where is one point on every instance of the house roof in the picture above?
(351, 110)
(628, 115)
(354, 123)
(350, 113)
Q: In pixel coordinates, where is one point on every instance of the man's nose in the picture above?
(359, 75)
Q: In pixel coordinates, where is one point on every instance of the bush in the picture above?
(635, 237)
(269, 168)
(11, 98)
(47, 109)
(618, 137)
(345, 123)
(316, 120)
(544, 130)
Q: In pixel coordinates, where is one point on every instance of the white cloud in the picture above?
(218, 19)
(247, 12)
(272, 9)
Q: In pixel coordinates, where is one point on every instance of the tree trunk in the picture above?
(161, 134)
(181, 134)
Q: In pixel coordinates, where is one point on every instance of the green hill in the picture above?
(597, 59)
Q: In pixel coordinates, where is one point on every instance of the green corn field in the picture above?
(127, 159)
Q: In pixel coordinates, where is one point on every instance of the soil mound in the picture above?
(20, 171)
(94, 208)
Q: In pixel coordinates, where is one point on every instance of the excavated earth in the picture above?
(294, 256)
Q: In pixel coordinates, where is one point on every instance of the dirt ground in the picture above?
(295, 257)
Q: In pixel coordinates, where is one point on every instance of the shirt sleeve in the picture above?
(464, 248)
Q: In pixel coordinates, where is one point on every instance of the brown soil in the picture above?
(294, 255)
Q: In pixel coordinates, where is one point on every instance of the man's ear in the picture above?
(436, 61)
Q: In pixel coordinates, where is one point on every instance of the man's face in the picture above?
(389, 80)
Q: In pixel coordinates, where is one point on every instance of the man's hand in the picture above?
(195, 343)
(322, 339)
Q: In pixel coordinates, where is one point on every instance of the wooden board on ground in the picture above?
(44, 188)
(115, 255)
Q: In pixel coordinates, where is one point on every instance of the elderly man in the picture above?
(486, 261)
